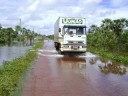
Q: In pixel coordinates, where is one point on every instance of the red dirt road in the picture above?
(69, 76)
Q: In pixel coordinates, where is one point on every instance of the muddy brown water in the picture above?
(54, 74)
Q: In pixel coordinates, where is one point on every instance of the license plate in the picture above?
(75, 47)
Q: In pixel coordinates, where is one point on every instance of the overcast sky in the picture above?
(40, 15)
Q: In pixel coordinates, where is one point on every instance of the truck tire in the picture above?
(57, 46)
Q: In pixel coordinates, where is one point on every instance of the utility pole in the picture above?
(20, 31)
(33, 36)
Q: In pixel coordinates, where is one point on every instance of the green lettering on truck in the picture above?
(72, 21)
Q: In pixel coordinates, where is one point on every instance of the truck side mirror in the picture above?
(59, 29)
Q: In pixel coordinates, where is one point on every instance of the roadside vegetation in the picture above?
(51, 37)
(10, 35)
(110, 39)
(11, 72)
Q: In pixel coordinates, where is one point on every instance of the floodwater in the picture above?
(9, 53)
(62, 75)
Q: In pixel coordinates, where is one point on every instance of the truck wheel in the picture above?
(57, 46)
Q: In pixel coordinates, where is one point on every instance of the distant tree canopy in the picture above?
(110, 35)
(7, 35)
(50, 37)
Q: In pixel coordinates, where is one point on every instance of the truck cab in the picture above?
(71, 36)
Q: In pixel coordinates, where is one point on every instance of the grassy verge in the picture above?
(118, 57)
(12, 71)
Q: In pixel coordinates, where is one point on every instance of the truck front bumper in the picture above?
(73, 48)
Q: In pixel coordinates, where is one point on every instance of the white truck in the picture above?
(70, 34)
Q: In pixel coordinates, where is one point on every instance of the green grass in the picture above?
(12, 72)
(116, 56)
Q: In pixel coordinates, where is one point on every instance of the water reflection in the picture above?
(92, 60)
(78, 65)
(106, 66)
(72, 64)
(112, 68)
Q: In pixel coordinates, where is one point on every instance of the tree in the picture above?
(17, 28)
(119, 25)
(106, 25)
(3, 35)
(7, 35)
(94, 28)
(105, 28)
(110, 35)
(9, 31)
(0, 26)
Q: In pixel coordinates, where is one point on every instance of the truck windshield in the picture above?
(74, 30)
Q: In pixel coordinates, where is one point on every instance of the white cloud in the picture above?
(120, 13)
(25, 17)
(33, 6)
(76, 10)
(48, 2)
(42, 14)
(89, 2)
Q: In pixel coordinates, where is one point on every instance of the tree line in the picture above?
(111, 35)
(9, 35)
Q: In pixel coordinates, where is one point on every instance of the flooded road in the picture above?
(54, 74)
(9, 53)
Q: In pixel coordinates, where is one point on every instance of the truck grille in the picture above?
(73, 42)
